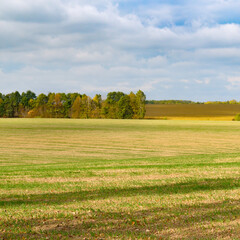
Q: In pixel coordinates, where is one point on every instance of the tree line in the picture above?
(72, 105)
(190, 102)
(171, 102)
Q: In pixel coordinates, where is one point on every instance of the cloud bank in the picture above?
(169, 49)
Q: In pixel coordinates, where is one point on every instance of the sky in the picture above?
(175, 49)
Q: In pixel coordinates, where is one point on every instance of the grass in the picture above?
(122, 179)
(220, 112)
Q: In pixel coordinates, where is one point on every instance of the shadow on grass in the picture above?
(104, 193)
(199, 221)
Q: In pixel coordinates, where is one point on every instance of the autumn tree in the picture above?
(40, 107)
(96, 106)
(76, 108)
(75, 105)
(58, 106)
(26, 103)
(110, 106)
(71, 97)
(140, 101)
(26, 97)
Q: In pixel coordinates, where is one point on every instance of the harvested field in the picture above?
(119, 179)
(193, 111)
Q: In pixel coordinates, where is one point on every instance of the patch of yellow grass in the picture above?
(114, 176)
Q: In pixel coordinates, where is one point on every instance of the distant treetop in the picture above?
(189, 102)
(171, 102)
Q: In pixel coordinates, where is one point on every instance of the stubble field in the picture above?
(220, 112)
(122, 179)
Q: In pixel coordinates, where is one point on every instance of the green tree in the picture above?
(133, 103)
(11, 104)
(66, 105)
(125, 110)
(26, 97)
(85, 106)
(61, 105)
(50, 105)
(141, 99)
(110, 107)
(2, 110)
(237, 117)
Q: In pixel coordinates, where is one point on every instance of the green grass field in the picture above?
(193, 111)
(122, 179)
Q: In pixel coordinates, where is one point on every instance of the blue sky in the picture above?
(169, 49)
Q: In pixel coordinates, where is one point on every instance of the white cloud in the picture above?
(70, 45)
(233, 84)
(235, 81)
(204, 81)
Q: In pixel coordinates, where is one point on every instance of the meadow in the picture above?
(119, 179)
(222, 112)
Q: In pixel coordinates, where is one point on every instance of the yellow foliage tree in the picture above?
(76, 108)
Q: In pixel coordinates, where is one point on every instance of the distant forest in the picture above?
(189, 102)
(171, 102)
(73, 105)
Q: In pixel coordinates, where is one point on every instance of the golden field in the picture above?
(119, 179)
(192, 111)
